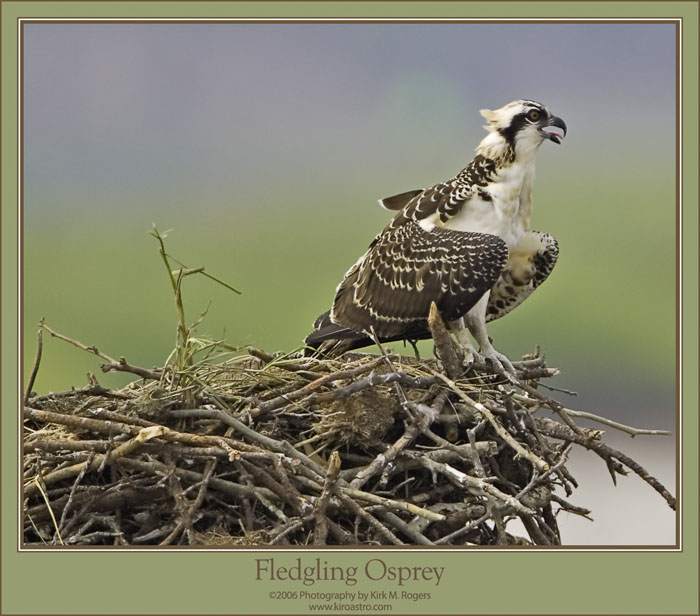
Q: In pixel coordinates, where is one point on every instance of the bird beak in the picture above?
(555, 130)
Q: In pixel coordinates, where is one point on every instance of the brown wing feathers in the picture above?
(406, 268)
(390, 289)
(446, 198)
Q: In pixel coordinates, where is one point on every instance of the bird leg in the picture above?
(475, 320)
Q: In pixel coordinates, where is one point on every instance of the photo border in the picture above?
(687, 133)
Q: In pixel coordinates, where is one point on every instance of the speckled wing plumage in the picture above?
(447, 197)
(390, 289)
(527, 268)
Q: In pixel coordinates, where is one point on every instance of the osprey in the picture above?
(465, 244)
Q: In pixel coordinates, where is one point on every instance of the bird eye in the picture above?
(534, 115)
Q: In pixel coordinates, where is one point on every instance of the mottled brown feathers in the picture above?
(406, 268)
(446, 198)
(525, 270)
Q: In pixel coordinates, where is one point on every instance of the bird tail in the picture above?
(333, 339)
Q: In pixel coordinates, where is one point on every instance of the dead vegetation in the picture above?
(262, 449)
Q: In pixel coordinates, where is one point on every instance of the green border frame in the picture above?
(562, 582)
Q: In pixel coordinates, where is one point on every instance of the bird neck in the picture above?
(497, 148)
(514, 175)
(504, 152)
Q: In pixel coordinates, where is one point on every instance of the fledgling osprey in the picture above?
(464, 244)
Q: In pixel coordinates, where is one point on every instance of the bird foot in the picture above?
(466, 355)
(488, 356)
(499, 360)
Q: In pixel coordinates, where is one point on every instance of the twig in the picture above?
(112, 427)
(370, 519)
(282, 531)
(123, 366)
(81, 423)
(408, 530)
(559, 389)
(37, 483)
(465, 529)
(90, 390)
(304, 367)
(465, 451)
(227, 487)
(538, 479)
(71, 496)
(54, 446)
(615, 424)
(535, 532)
(557, 407)
(475, 483)
(375, 499)
(112, 364)
(285, 493)
(373, 380)
(35, 366)
(98, 460)
(90, 349)
(411, 430)
(271, 405)
(187, 519)
(183, 333)
(446, 350)
(400, 393)
(556, 430)
(500, 430)
(567, 506)
(101, 499)
(270, 443)
(321, 526)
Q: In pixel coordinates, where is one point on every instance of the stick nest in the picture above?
(263, 450)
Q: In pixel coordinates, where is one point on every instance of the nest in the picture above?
(290, 450)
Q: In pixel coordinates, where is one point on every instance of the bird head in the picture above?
(524, 125)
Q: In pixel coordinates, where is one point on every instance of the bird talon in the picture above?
(499, 361)
(466, 355)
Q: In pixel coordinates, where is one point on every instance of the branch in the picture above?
(123, 366)
(119, 365)
(446, 350)
(98, 460)
(188, 518)
(321, 527)
(556, 430)
(614, 424)
(501, 431)
(411, 430)
(279, 401)
(35, 367)
(475, 483)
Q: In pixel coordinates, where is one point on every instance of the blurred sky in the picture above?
(265, 148)
(172, 116)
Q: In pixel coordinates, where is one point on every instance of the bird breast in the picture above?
(507, 212)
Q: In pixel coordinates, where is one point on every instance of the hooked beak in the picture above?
(555, 130)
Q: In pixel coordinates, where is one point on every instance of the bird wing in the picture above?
(398, 202)
(406, 268)
(445, 198)
(529, 264)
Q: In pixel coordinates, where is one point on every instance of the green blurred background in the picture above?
(265, 148)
